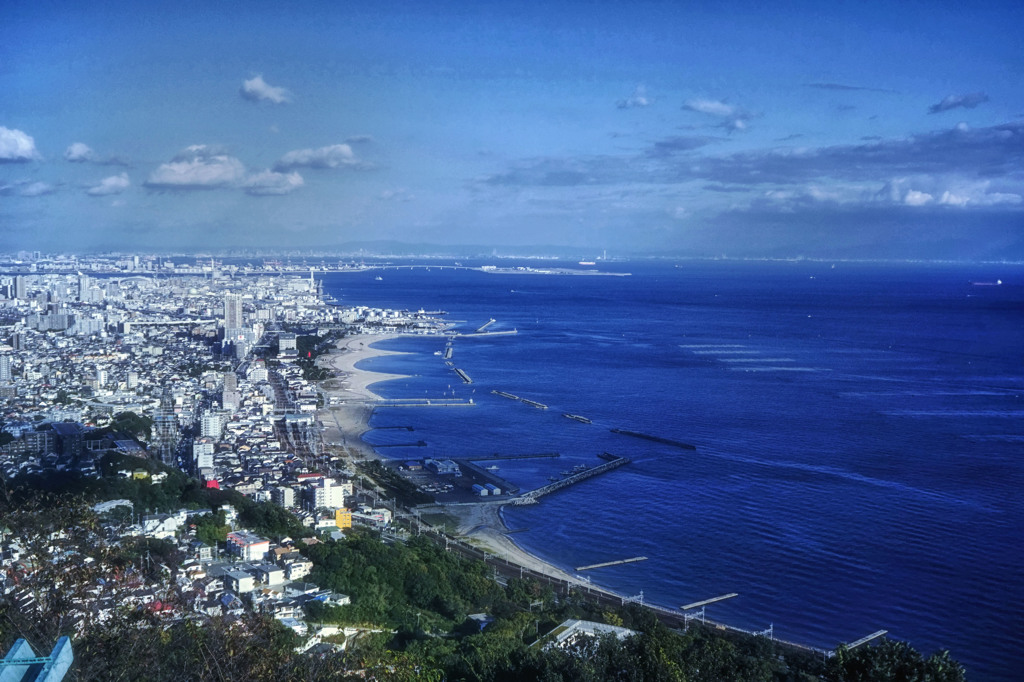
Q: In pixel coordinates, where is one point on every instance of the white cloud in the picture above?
(399, 194)
(37, 189)
(269, 183)
(978, 196)
(711, 107)
(637, 99)
(198, 167)
(78, 152)
(16, 145)
(950, 190)
(258, 90)
(115, 184)
(916, 198)
(950, 199)
(325, 157)
(968, 101)
(733, 118)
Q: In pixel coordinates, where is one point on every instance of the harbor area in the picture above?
(477, 478)
(456, 480)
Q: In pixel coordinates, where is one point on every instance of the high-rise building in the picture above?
(283, 496)
(211, 425)
(230, 398)
(20, 288)
(232, 311)
(5, 368)
(202, 453)
(165, 428)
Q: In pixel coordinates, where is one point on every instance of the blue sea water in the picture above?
(859, 433)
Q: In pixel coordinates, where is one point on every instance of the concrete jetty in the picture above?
(611, 563)
(705, 602)
(534, 403)
(420, 402)
(612, 462)
(482, 328)
(472, 335)
(462, 375)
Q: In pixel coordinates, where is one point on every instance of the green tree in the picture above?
(892, 660)
(139, 427)
(211, 529)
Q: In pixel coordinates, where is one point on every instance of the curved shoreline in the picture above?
(348, 399)
(345, 423)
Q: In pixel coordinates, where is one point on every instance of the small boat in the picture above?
(378, 278)
(493, 467)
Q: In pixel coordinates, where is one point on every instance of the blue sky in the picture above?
(881, 130)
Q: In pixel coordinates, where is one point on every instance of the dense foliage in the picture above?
(136, 426)
(892, 660)
(393, 583)
(311, 346)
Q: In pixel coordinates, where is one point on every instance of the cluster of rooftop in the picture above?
(200, 368)
(183, 351)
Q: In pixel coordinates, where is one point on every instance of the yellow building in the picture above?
(343, 517)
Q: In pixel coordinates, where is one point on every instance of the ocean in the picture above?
(858, 428)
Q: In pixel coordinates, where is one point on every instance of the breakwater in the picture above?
(525, 401)
(655, 439)
(529, 455)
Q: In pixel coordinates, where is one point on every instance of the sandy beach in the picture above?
(479, 523)
(346, 422)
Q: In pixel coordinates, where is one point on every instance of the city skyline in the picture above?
(864, 131)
